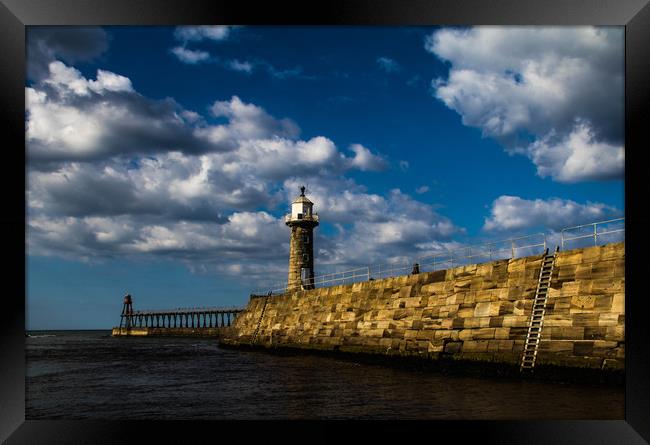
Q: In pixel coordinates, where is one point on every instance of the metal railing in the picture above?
(586, 231)
(188, 310)
(312, 217)
(510, 248)
(474, 254)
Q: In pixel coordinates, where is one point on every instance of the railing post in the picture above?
(368, 273)
(513, 248)
(595, 235)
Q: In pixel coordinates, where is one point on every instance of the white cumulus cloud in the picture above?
(561, 87)
(366, 161)
(189, 55)
(511, 213)
(387, 64)
(203, 32)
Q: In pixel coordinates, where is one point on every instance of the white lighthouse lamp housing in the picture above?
(302, 209)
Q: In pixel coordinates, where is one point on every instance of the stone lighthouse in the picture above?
(302, 221)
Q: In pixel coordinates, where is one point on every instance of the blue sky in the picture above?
(161, 159)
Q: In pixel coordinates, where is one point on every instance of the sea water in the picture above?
(91, 375)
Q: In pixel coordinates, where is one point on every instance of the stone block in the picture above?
(488, 284)
(619, 271)
(502, 333)
(603, 286)
(442, 334)
(562, 303)
(410, 333)
(553, 293)
(372, 342)
(522, 307)
(469, 297)
(405, 292)
(583, 272)
(518, 333)
(505, 345)
(563, 332)
(516, 265)
(484, 322)
(475, 346)
(471, 322)
(603, 303)
(503, 293)
(556, 345)
(515, 321)
(618, 303)
(595, 333)
(453, 347)
(458, 323)
(426, 334)
(592, 253)
(608, 319)
(435, 323)
(460, 285)
(583, 302)
(505, 307)
(566, 272)
(483, 309)
(465, 312)
(399, 314)
(484, 269)
(496, 322)
(583, 348)
(453, 299)
(615, 333)
(483, 333)
(431, 347)
(558, 321)
(603, 270)
(447, 323)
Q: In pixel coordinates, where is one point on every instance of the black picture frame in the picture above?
(16, 14)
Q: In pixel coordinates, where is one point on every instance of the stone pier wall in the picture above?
(476, 312)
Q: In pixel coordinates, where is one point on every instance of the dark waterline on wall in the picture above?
(91, 375)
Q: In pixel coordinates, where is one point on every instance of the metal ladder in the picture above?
(259, 322)
(537, 316)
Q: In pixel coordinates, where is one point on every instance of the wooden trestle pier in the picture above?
(176, 322)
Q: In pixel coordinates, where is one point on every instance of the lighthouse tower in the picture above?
(302, 221)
